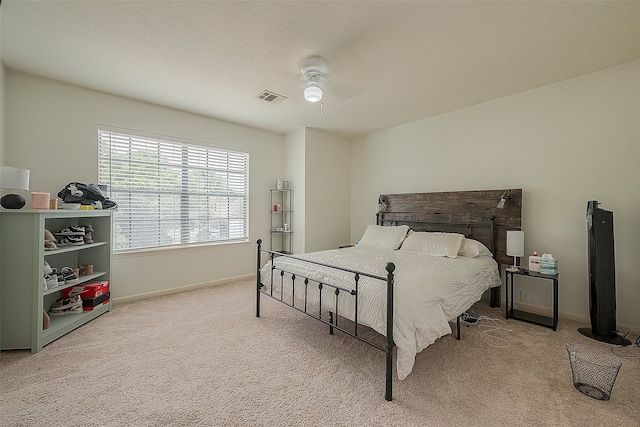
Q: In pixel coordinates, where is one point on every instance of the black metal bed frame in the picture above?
(332, 320)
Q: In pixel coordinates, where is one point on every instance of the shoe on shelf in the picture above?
(70, 240)
(72, 230)
(69, 310)
(88, 227)
(59, 278)
(69, 275)
(48, 236)
(47, 269)
(87, 238)
(51, 280)
(85, 269)
(50, 246)
(46, 320)
(65, 304)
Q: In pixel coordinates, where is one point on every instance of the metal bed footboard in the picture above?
(338, 291)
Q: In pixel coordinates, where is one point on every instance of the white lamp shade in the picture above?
(313, 93)
(14, 178)
(515, 243)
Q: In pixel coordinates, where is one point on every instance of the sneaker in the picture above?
(65, 304)
(47, 269)
(70, 240)
(72, 230)
(51, 280)
(70, 277)
(70, 310)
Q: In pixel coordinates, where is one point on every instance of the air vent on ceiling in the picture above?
(271, 97)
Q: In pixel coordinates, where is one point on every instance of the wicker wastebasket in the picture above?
(594, 371)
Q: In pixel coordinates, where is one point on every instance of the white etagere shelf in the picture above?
(281, 206)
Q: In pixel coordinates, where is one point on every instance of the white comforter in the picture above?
(428, 293)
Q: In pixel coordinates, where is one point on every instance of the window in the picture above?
(172, 193)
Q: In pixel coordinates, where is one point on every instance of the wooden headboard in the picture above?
(466, 212)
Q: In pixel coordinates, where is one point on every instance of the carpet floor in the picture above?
(202, 358)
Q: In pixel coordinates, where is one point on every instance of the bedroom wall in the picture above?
(2, 91)
(52, 130)
(328, 211)
(317, 163)
(563, 144)
(2, 127)
(295, 173)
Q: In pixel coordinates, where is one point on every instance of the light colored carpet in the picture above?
(202, 358)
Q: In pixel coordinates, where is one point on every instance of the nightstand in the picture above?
(551, 322)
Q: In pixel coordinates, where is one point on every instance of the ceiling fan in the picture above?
(337, 73)
(314, 75)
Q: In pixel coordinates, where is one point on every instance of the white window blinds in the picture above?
(173, 193)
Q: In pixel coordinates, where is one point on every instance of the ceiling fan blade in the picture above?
(348, 72)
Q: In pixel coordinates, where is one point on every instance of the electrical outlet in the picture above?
(524, 296)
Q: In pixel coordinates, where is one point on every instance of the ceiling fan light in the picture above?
(313, 93)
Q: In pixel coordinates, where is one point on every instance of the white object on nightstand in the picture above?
(515, 247)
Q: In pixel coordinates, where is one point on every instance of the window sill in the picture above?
(175, 248)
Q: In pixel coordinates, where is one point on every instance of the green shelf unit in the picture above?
(23, 296)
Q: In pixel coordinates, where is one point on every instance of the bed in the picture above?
(428, 258)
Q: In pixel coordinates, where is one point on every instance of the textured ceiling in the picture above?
(390, 63)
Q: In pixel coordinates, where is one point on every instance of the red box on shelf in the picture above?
(89, 304)
(92, 290)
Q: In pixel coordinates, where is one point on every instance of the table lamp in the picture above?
(515, 247)
(13, 179)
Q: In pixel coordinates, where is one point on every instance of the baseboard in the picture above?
(138, 297)
(544, 311)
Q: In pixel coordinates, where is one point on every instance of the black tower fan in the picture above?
(602, 276)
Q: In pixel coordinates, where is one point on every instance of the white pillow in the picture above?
(384, 237)
(436, 244)
(472, 248)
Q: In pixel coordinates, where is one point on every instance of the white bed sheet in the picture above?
(428, 291)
